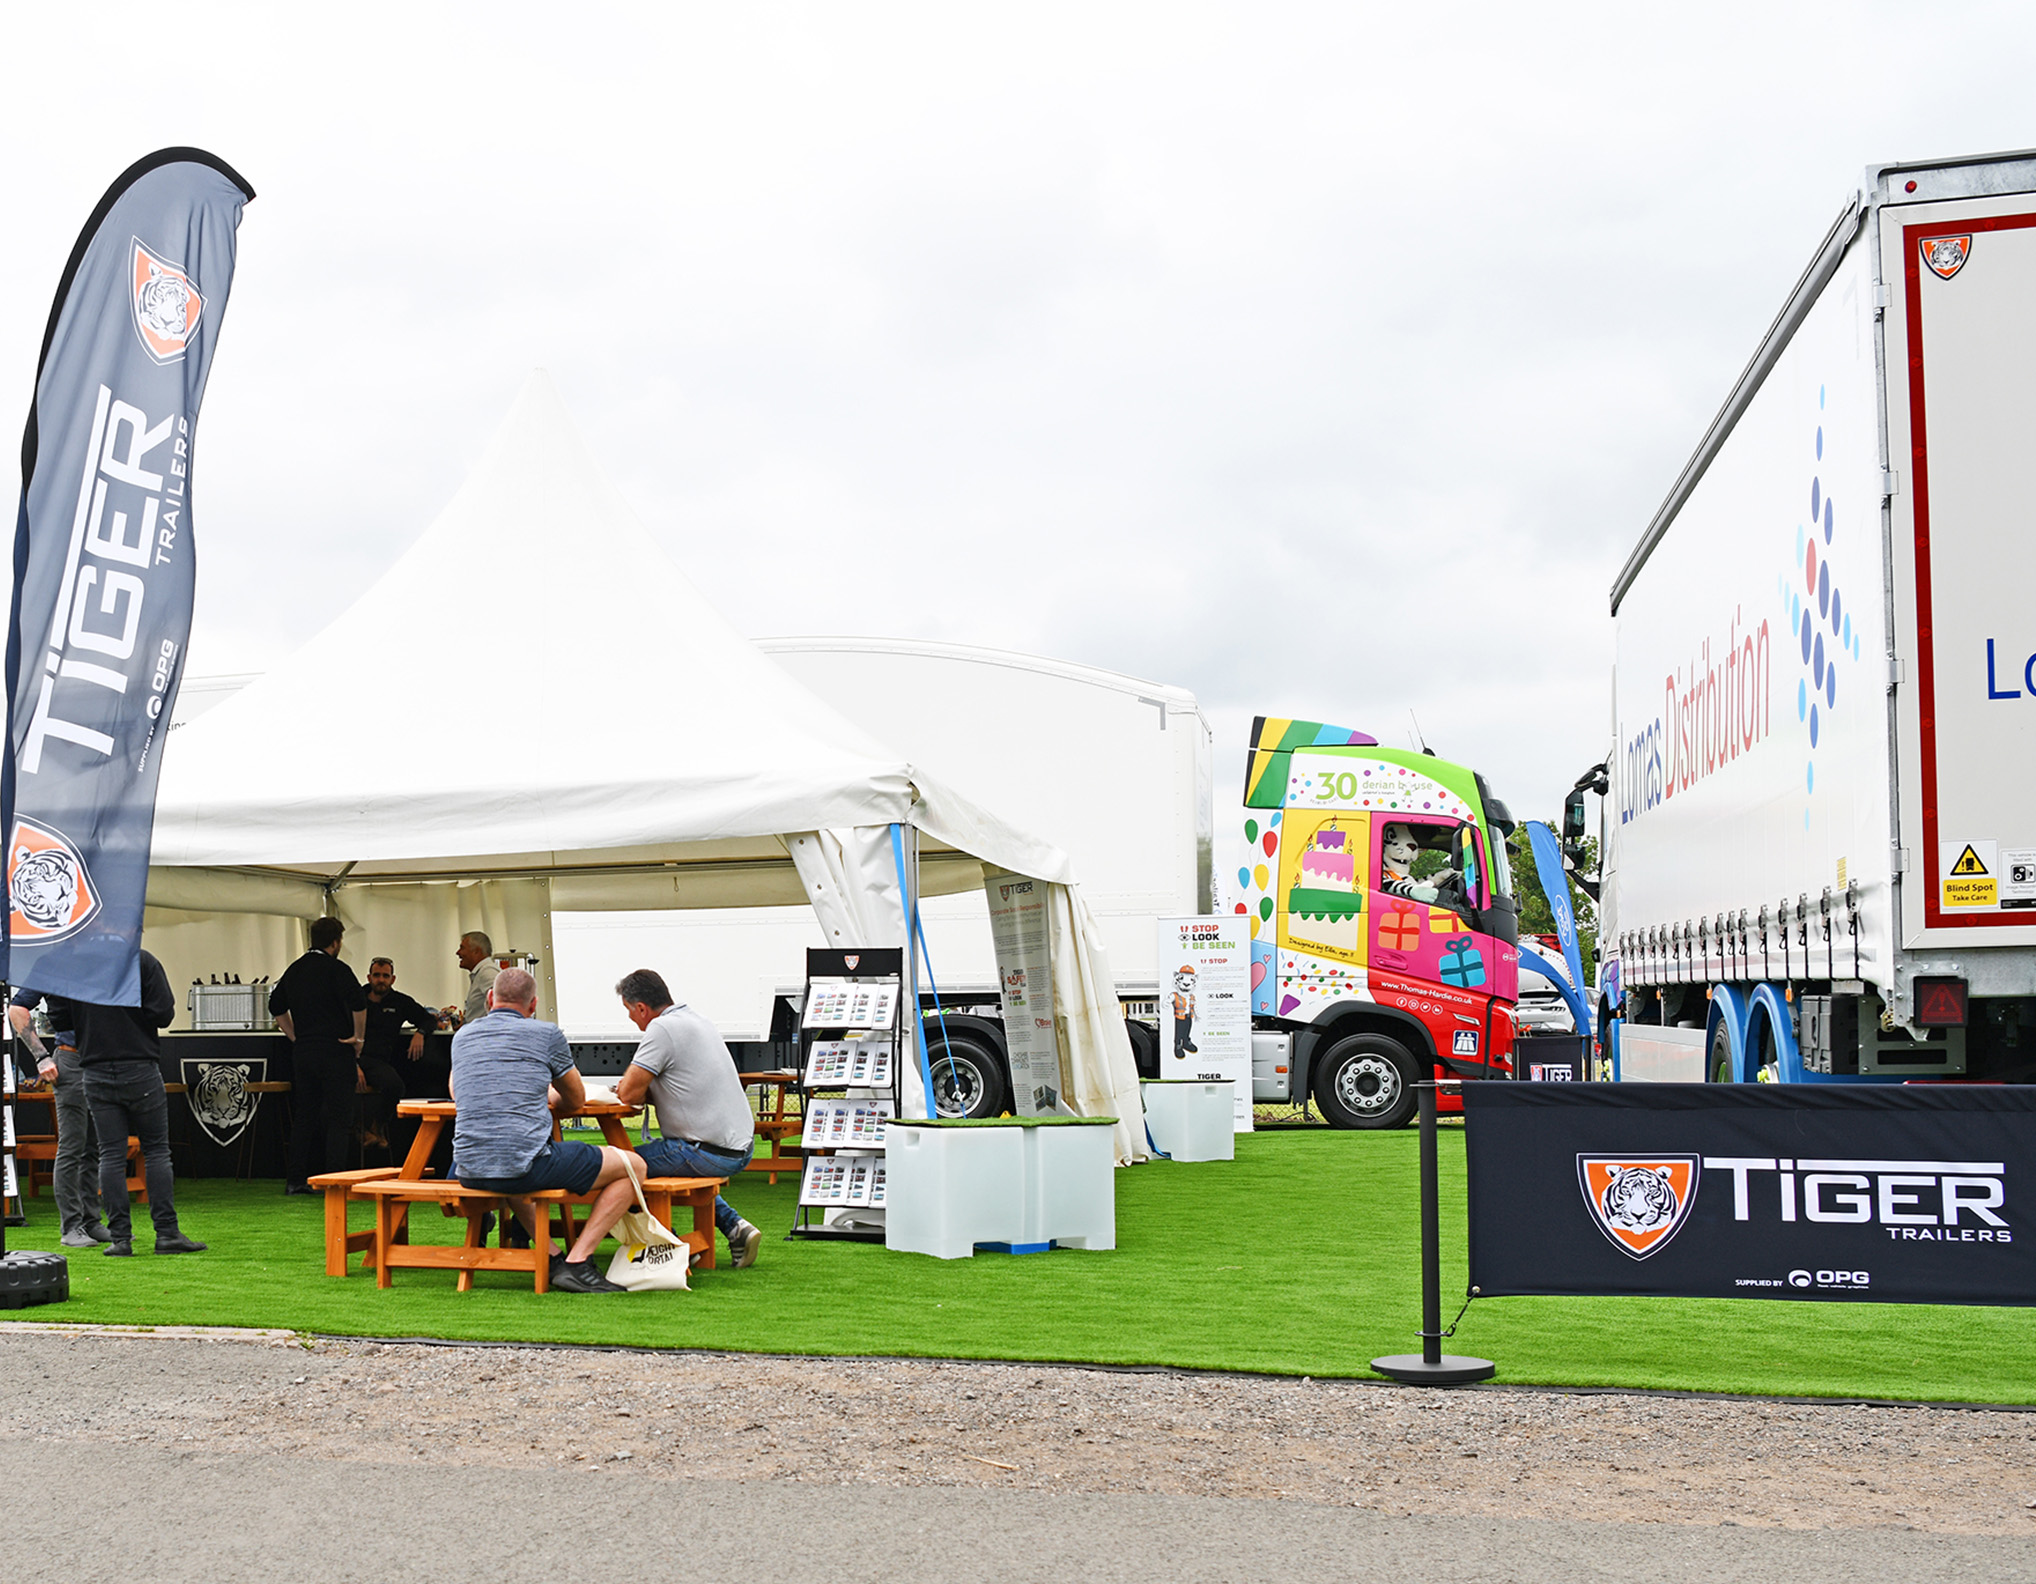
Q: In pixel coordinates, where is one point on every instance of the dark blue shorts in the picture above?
(562, 1163)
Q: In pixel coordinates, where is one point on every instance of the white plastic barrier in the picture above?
(1192, 1120)
(1650, 1054)
(951, 1186)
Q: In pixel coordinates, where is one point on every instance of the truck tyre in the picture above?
(1722, 1070)
(968, 1076)
(1144, 1047)
(1366, 1081)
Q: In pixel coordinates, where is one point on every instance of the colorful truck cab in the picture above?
(1384, 933)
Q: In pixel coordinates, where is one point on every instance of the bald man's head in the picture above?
(514, 988)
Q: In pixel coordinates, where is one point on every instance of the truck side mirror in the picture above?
(1573, 817)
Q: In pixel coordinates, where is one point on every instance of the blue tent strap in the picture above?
(913, 930)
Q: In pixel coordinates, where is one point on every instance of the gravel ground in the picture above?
(1488, 1452)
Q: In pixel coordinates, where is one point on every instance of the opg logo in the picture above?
(1830, 1278)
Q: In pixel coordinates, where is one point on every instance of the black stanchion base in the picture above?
(1411, 1369)
(33, 1279)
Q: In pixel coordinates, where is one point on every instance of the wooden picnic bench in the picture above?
(393, 1189)
(392, 1197)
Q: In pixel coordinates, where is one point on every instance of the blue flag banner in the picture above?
(103, 570)
(1555, 884)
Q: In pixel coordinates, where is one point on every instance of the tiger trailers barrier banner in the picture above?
(1866, 1193)
(103, 568)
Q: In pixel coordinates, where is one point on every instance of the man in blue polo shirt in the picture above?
(511, 1075)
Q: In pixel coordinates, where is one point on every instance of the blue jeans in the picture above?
(683, 1158)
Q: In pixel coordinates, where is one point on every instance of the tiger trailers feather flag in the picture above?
(103, 569)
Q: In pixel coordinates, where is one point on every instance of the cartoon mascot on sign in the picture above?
(1184, 1013)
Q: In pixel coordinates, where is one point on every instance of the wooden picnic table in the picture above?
(775, 1122)
(433, 1117)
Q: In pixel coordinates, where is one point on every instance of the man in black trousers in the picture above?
(322, 1010)
(120, 1052)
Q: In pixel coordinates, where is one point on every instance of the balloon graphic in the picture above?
(1265, 907)
(1271, 844)
(1259, 877)
(1251, 830)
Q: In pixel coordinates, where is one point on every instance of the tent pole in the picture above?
(908, 894)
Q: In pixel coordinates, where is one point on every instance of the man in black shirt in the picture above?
(323, 1011)
(396, 1065)
(120, 1050)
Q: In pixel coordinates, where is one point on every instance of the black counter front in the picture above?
(228, 1122)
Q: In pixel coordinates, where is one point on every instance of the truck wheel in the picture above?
(1366, 1081)
(968, 1079)
(1144, 1047)
(1721, 1057)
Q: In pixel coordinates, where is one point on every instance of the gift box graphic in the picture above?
(1462, 963)
(1400, 930)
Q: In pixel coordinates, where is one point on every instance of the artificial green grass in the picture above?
(1300, 1257)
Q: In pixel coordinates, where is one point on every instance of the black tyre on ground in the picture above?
(968, 1075)
(1144, 1047)
(28, 1278)
(1366, 1081)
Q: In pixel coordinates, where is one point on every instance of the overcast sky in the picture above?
(1324, 360)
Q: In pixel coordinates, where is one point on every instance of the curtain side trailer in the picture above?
(1820, 838)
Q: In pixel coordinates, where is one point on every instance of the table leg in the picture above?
(703, 1225)
(335, 1231)
(466, 1276)
(384, 1230)
(414, 1164)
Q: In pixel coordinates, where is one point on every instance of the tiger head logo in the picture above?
(1638, 1203)
(1946, 256)
(167, 305)
(49, 890)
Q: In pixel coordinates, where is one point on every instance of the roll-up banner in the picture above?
(103, 570)
(1867, 1193)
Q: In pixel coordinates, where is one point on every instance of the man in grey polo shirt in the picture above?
(703, 1117)
(511, 1075)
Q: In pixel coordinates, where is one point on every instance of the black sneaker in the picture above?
(178, 1243)
(119, 1248)
(298, 1188)
(743, 1244)
(566, 1276)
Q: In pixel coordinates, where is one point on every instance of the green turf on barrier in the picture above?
(1298, 1257)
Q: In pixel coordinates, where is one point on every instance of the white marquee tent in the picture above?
(611, 744)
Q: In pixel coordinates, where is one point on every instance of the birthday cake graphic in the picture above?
(1327, 895)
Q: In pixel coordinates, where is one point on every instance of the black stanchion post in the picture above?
(1432, 1367)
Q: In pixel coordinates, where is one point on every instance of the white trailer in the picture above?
(1113, 770)
(1820, 843)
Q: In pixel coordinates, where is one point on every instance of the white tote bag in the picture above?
(649, 1256)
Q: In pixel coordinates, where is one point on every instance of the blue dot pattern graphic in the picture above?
(1812, 598)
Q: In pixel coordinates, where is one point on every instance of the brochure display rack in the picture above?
(851, 1074)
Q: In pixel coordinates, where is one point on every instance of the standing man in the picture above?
(511, 1075)
(322, 1011)
(476, 954)
(387, 1053)
(121, 1052)
(77, 1164)
(705, 1125)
